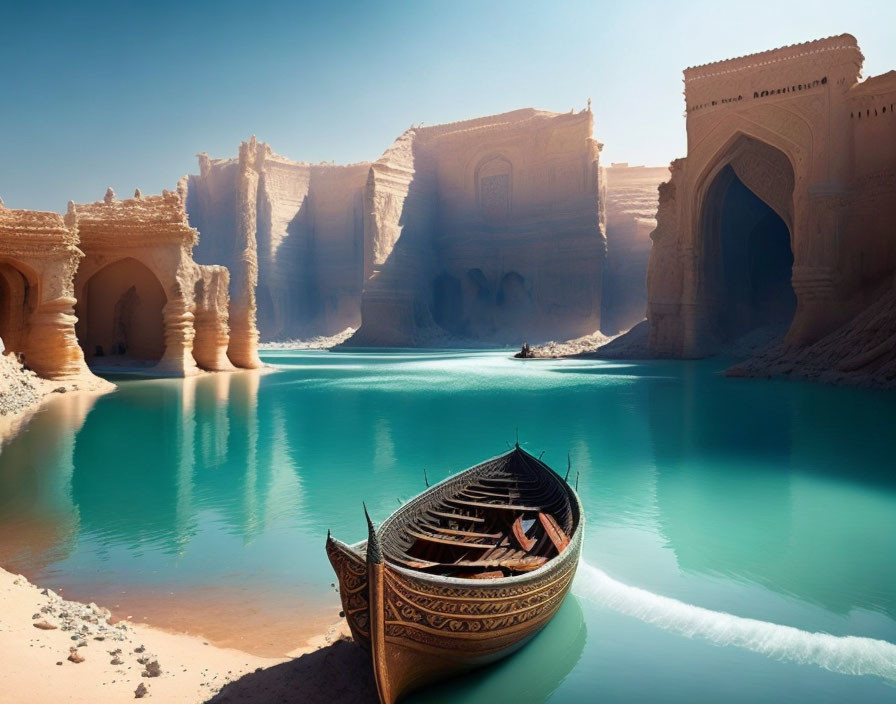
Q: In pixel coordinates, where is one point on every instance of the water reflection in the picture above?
(762, 487)
(235, 478)
(39, 520)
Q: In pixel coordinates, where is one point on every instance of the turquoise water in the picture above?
(731, 524)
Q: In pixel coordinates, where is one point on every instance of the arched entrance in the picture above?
(18, 300)
(746, 258)
(120, 313)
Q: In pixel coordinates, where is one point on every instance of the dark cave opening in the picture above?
(748, 261)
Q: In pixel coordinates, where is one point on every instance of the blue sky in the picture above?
(125, 94)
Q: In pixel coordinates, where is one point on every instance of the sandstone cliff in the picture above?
(294, 230)
(631, 203)
(485, 231)
(399, 248)
(482, 231)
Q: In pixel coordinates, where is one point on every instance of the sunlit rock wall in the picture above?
(308, 236)
(135, 285)
(631, 201)
(487, 230)
(38, 258)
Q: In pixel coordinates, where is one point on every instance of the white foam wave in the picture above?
(851, 655)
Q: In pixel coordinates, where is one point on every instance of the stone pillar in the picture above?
(210, 321)
(212, 339)
(243, 346)
(179, 333)
(52, 349)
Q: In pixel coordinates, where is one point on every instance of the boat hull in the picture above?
(425, 617)
(350, 565)
(428, 629)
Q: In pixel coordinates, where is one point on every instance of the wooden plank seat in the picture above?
(519, 564)
(457, 516)
(489, 494)
(507, 480)
(461, 533)
(414, 562)
(450, 541)
(499, 507)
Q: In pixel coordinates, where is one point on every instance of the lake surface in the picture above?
(740, 541)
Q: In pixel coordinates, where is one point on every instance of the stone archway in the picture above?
(120, 313)
(745, 248)
(18, 300)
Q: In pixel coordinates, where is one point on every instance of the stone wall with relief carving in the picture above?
(505, 237)
(798, 128)
(484, 230)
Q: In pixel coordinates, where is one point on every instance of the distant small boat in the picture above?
(463, 574)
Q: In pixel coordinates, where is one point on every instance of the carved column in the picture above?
(210, 321)
(179, 333)
(52, 349)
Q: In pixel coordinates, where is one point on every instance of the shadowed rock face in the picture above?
(487, 230)
(305, 247)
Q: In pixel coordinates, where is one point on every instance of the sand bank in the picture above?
(56, 650)
(22, 391)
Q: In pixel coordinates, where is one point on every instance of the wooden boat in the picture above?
(463, 574)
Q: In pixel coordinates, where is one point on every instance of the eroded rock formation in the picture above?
(632, 199)
(783, 212)
(291, 234)
(38, 257)
(484, 230)
(112, 282)
(211, 318)
(861, 352)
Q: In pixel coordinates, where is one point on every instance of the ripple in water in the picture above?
(849, 655)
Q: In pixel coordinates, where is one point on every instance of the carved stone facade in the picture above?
(135, 285)
(815, 148)
(113, 283)
(501, 232)
(38, 258)
(488, 229)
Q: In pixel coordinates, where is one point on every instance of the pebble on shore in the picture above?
(78, 655)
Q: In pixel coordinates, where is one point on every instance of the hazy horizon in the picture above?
(125, 96)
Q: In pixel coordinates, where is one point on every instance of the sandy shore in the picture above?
(320, 342)
(22, 392)
(54, 650)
